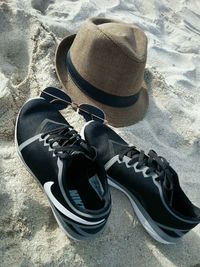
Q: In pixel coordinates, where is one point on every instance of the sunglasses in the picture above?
(60, 100)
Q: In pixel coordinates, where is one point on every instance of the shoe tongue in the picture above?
(79, 160)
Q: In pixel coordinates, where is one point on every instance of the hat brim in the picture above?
(117, 117)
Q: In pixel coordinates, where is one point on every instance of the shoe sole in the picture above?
(65, 228)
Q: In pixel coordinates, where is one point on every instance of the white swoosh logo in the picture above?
(61, 208)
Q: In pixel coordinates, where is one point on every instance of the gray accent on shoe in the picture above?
(157, 231)
(29, 141)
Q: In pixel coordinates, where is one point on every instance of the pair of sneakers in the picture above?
(74, 172)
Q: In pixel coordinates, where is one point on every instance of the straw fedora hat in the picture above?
(103, 65)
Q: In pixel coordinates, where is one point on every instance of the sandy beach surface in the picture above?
(29, 33)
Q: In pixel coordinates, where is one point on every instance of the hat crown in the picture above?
(103, 65)
(126, 38)
(110, 55)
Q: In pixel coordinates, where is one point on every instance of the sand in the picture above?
(29, 34)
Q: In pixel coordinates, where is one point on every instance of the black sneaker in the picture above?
(149, 182)
(66, 167)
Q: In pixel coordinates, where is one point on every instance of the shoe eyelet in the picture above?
(137, 167)
(147, 172)
(120, 160)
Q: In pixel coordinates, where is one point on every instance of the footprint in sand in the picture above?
(14, 46)
(41, 5)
